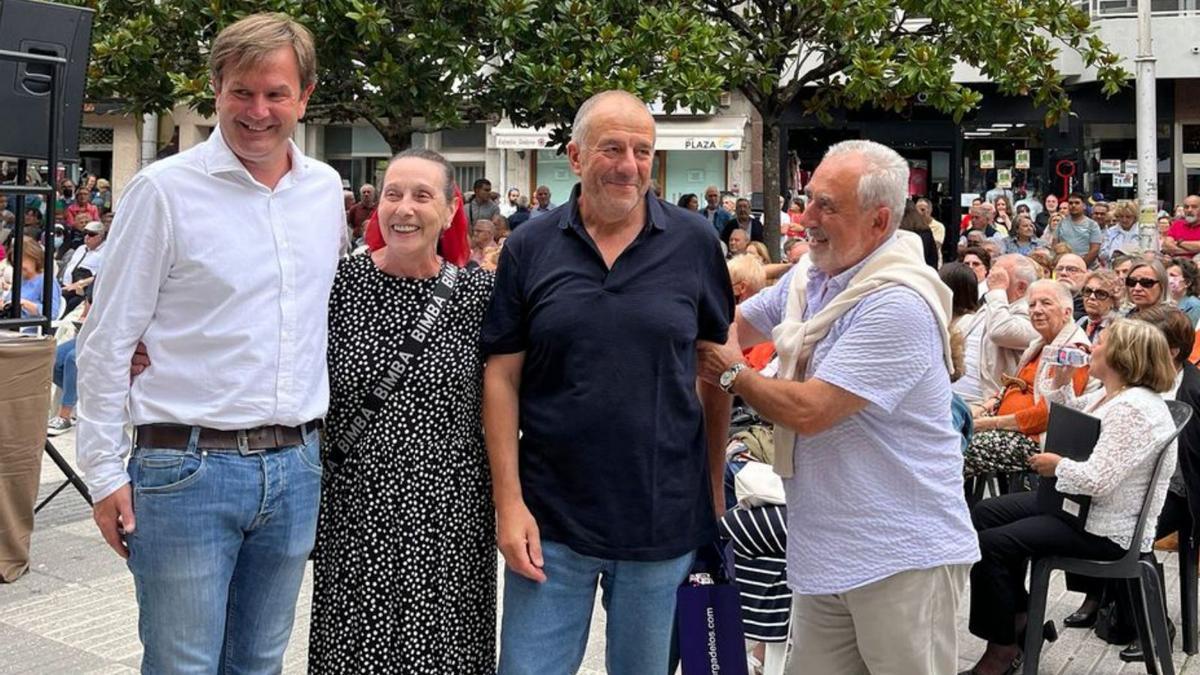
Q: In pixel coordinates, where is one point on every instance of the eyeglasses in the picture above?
(1097, 293)
(1130, 282)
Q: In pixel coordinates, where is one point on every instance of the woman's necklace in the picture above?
(1111, 395)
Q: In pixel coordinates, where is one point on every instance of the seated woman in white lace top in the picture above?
(1134, 420)
(1133, 362)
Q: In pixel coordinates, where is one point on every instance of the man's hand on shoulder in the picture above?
(114, 517)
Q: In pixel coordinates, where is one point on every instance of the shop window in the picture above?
(554, 172)
(470, 136)
(1191, 138)
(1104, 145)
(691, 171)
(466, 174)
(990, 166)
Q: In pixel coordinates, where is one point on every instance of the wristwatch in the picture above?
(729, 376)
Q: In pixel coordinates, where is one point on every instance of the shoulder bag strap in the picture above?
(411, 347)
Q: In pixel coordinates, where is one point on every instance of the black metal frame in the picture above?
(15, 321)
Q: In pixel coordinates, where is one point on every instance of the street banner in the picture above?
(1122, 180)
(1022, 160)
(1110, 166)
(1131, 166)
(1004, 178)
(987, 159)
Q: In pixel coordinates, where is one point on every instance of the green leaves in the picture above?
(424, 65)
(567, 51)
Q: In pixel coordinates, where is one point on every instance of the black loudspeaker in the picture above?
(47, 29)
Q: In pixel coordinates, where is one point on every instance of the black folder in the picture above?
(1072, 434)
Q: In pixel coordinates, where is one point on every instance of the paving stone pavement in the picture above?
(75, 612)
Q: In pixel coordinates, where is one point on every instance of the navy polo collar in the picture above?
(570, 218)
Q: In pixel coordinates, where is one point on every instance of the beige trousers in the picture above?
(901, 625)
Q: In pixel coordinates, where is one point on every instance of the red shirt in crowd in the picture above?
(1180, 230)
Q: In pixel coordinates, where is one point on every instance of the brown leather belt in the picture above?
(244, 441)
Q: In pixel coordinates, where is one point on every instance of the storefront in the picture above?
(1004, 145)
(689, 156)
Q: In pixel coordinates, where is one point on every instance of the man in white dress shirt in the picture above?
(209, 267)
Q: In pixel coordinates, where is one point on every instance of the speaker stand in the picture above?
(72, 478)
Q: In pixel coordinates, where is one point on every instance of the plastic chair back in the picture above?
(1180, 414)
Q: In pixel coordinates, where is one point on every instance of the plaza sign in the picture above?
(724, 143)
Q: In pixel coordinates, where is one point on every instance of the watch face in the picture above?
(727, 378)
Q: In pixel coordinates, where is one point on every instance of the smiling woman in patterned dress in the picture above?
(405, 566)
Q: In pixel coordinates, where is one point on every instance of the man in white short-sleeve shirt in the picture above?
(881, 540)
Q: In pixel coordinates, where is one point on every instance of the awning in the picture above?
(713, 133)
(724, 134)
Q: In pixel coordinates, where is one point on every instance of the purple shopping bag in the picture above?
(709, 619)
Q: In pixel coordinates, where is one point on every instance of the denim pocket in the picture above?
(161, 471)
(310, 456)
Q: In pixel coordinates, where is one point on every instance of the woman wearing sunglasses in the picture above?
(1101, 294)
(1146, 285)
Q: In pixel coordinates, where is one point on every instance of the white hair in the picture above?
(885, 180)
(1021, 267)
(1061, 292)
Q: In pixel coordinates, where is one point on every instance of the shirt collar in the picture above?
(219, 158)
(656, 217)
(825, 286)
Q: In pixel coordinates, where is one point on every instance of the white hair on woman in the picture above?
(1061, 292)
(885, 181)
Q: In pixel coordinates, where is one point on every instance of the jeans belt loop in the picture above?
(194, 440)
(243, 444)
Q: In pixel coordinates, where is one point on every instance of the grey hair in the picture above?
(580, 127)
(885, 181)
(1060, 291)
(1023, 269)
(429, 156)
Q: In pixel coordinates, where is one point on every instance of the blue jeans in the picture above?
(545, 626)
(65, 373)
(218, 554)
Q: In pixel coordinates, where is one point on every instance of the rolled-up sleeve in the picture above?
(139, 255)
(764, 310)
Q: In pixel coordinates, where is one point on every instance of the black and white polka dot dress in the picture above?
(405, 568)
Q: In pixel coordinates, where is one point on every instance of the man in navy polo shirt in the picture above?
(591, 343)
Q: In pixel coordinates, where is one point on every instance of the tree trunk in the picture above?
(771, 185)
(398, 137)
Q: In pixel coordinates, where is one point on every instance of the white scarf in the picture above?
(900, 262)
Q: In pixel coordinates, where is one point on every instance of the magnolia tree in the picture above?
(410, 66)
(403, 66)
(828, 54)
(851, 53)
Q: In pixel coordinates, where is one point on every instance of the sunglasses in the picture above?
(1097, 293)
(91, 234)
(1130, 282)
